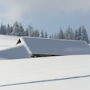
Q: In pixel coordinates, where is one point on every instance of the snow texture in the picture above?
(36, 69)
(78, 84)
(7, 41)
(30, 46)
(9, 49)
(56, 47)
(16, 52)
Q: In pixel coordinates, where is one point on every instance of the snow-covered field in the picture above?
(78, 84)
(7, 41)
(22, 71)
(45, 73)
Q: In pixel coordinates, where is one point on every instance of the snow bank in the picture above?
(34, 69)
(7, 41)
(16, 52)
(78, 84)
(55, 47)
(37, 46)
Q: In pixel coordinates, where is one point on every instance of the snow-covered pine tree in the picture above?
(30, 31)
(21, 30)
(84, 35)
(9, 29)
(61, 34)
(3, 29)
(69, 34)
(76, 35)
(81, 34)
(51, 36)
(18, 29)
(36, 33)
(42, 34)
(46, 35)
(15, 29)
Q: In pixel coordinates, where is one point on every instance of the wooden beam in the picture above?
(43, 55)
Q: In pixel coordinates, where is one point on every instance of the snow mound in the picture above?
(36, 69)
(15, 52)
(55, 47)
(7, 41)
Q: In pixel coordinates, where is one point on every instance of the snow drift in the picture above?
(7, 41)
(16, 52)
(36, 47)
(40, 46)
(36, 69)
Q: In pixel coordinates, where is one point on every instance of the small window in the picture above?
(19, 41)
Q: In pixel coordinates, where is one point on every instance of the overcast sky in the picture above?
(49, 15)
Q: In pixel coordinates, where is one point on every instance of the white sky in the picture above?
(15, 9)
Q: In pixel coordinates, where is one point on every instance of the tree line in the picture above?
(70, 34)
(17, 29)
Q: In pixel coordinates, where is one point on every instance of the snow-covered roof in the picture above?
(44, 47)
(15, 52)
(55, 47)
(38, 69)
(7, 41)
(9, 50)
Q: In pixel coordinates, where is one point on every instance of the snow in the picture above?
(36, 69)
(31, 46)
(56, 47)
(14, 70)
(78, 84)
(9, 49)
(7, 41)
(15, 52)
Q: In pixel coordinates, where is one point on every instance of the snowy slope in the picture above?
(36, 69)
(55, 47)
(7, 41)
(35, 46)
(77, 84)
(16, 52)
